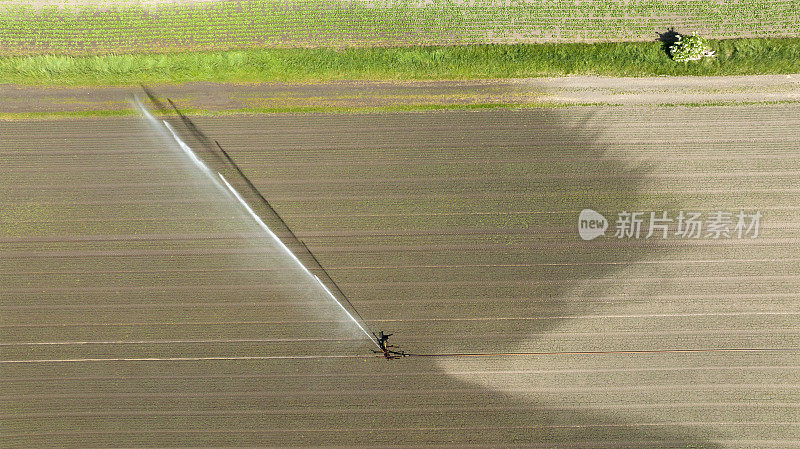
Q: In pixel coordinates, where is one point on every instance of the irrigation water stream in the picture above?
(216, 180)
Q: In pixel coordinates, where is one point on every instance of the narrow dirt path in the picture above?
(268, 97)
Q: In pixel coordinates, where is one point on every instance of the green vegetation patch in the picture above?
(49, 115)
(733, 57)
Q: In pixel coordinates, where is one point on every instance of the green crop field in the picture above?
(75, 42)
(40, 28)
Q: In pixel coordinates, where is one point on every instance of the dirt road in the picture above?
(213, 98)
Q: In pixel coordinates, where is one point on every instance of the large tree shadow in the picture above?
(668, 39)
(564, 173)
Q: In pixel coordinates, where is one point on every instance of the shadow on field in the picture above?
(667, 39)
(497, 162)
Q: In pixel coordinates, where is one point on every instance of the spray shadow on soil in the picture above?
(576, 174)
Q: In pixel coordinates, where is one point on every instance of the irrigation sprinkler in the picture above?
(261, 211)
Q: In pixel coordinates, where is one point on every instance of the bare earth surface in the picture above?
(139, 308)
(211, 97)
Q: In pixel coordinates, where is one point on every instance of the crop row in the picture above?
(262, 23)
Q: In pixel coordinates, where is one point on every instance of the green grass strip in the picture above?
(17, 116)
(49, 115)
(734, 57)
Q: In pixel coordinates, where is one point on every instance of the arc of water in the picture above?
(219, 177)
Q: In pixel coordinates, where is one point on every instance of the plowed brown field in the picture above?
(138, 311)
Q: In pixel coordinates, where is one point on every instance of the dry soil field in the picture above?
(138, 308)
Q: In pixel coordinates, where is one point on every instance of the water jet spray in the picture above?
(330, 288)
